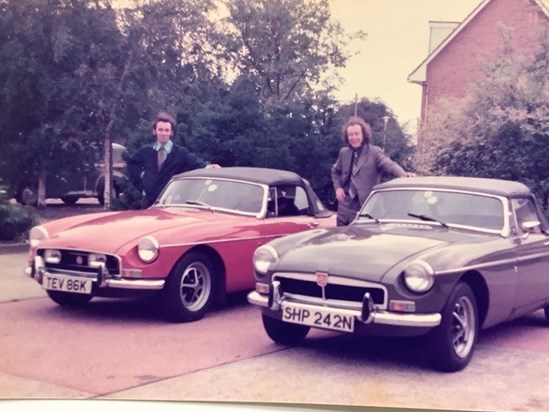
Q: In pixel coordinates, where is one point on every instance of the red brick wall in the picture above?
(453, 70)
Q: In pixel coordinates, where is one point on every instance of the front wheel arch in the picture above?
(219, 267)
(194, 284)
(479, 287)
(453, 342)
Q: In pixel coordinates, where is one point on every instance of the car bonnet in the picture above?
(109, 232)
(363, 252)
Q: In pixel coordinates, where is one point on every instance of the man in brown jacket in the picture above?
(358, 168)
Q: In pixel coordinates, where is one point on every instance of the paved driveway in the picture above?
(121, 349)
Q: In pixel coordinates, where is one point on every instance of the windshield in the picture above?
(218, 194)
(445, 207)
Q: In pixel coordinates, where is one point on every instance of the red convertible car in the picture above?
(193, 246)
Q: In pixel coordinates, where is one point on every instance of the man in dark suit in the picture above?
(154, 164)
(358, 168)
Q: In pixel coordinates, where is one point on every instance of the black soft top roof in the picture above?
(271, 177)
(507, 188)
(261, 175)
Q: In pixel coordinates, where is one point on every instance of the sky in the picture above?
(397, 41)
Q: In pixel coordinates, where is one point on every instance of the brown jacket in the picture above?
(371, 164)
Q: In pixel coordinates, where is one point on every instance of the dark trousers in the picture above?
(347, 211)
(146, 202)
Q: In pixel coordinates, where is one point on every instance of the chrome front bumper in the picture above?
(428, 320)
(101, 279)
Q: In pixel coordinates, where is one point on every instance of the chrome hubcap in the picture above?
(195, 286)
(463, 326)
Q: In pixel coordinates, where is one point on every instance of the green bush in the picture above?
(16, 222)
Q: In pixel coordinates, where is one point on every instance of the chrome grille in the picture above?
(338, 288)
(77, 261)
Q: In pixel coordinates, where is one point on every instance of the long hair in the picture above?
(366, 129)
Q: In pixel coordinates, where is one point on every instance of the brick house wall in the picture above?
(452, 68)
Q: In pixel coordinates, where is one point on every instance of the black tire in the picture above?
(190, 288)
(70, 200)
(454, 340)
(69, 299)
(283, 332)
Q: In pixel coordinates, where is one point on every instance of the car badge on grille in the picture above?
(79, 260)
(321, 279)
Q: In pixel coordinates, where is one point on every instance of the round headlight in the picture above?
(96, 259)
(419, 276)
(148, 249)
(264, 257)
(37, 234)
(52, 256)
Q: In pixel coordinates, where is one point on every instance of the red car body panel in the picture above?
(193, 245)
(233, 237)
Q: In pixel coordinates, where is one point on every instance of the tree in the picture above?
(77, 74)
(314, 142)
(50, 50)
(284, 54)
(286, 47)
(501, 128)
(226, 127)
(166, 50)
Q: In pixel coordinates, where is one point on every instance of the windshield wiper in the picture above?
(429, 219)
(198, 203)
(369, 216)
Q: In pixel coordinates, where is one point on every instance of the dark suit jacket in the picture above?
(153, 180)
(371, 164)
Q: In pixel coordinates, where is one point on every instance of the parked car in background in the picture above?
(89, 183)
(191, 248)
(437, 256)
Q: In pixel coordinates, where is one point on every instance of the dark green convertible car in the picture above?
(437, 256)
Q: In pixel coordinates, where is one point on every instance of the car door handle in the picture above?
(313, 224)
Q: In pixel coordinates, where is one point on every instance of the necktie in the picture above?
(161, 157)
(352, 187)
